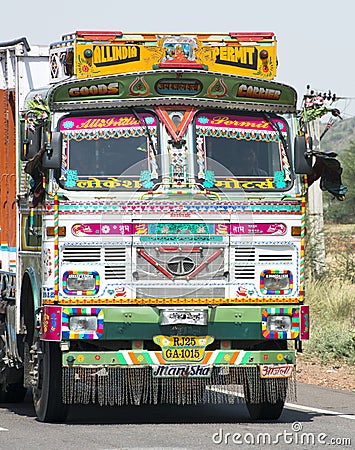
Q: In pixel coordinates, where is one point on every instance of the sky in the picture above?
(315, 37)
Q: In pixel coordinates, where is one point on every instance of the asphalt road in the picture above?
(321, 418)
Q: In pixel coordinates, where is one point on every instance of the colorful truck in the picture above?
(152, 222)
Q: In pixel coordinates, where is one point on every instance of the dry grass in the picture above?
(332, 299)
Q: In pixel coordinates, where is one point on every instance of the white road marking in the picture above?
(224, 390)
(3, 429)
(318, 410)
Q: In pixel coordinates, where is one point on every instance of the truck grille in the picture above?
(173, 263)
(180, 292)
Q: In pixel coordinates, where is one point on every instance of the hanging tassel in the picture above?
(111, 386)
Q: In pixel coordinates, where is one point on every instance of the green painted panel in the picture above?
(144, 357)
(144, 331)
(151, 314)
(61, 92)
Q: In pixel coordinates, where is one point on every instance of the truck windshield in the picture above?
(241, 152)
(108, 151)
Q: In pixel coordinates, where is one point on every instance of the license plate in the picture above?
(183, 354)
(276, 370)
(183, 348)
(183, 317)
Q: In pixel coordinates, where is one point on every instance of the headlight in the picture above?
(83, 323)
(81, 282)
(278, 323)
(273, 281)
(276, 282)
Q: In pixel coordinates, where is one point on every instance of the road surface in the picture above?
(322, 418)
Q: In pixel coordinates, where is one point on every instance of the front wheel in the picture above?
(47, 390)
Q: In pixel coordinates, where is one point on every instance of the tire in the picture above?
(11, 384)
(47, 393)
(265, 410)
(12, 393)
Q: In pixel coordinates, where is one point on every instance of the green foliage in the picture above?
(334, 343)
(332, 310)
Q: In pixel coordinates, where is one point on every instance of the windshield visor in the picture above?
(109, 152)
(242, 152)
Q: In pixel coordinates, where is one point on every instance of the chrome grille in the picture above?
(180, 292)
(164, 263)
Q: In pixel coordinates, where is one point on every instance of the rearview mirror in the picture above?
(52, 157)
(30, 141)
(302, 162)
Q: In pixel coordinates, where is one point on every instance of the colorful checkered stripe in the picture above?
(290, 206)
(70, 334)
(286, 273)
(82, 273)
(295, 323)
(302, 256)
(171, 301)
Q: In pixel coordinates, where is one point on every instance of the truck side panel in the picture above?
(8, 179)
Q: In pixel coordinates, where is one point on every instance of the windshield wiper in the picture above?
(276, 127)
(146, 128)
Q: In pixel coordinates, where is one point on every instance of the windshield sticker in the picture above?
(279, 178)
(71, 178)
(134, 183)
(239, 122)
(97, 122)
(233, 183)
(209, 179)
(146, 179)
(108, 183)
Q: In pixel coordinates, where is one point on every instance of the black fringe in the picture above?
(111, 386)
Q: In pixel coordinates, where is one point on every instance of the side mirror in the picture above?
(302, 162)
(30, 141)
(52, 157)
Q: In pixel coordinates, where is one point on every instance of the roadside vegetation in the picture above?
(332, 297)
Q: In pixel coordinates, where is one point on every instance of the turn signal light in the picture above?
(296, 231)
